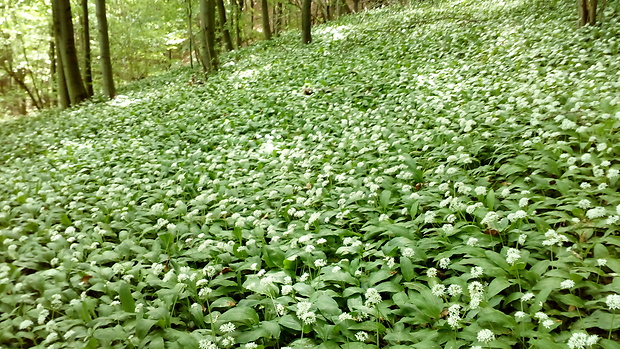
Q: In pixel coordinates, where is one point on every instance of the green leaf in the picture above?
(384, 199)
(143, 326)
(406, 268)
(496, 286)
(124, 293)
(240, 314)
(289, 321)
(328, 306)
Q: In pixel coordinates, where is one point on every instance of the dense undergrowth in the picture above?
(436, 176)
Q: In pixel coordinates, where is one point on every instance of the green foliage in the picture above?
(425, 177)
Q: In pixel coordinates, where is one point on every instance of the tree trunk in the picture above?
(88, 74)
(221, 9)
(356, 5)
(104, 42)
(306, 32)
(61, 12)
(277, 18)
(63, 91)
(238, 8)
(207, 28)
(190, 33)
(342, 8)
(265, 17)
(587, 12)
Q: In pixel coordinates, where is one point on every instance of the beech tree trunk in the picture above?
(61, 13)
(221, 9)
(207, 28)
(306, 32)
(265, 14)
(63, 92)
(104, 41)
(587, 12)
(88, 70)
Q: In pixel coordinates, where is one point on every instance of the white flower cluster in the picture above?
(554, 238)
(372, 297)
(581, 340)
(304, 314)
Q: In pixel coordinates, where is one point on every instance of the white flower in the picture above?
(361, 336)
(517, 215)
(345, 316)
(522, 239)
(601, 262)
(581, 340)
(613, 301)
(527, 297)
(480, 190)
(408, 252)
(584, 204)
(227, 341)
(25, 324)
(455, 290)
(567, 284)
(548, 323)
(438, 290)
(431, 272)
(485, 336)
(304, 313)
(519, 315)
(454, 315)
(251, 345)
(475, 294)
(472, 242)
(320, 263)
(513, 255)
(490, 217)
(523, 202)
(444, 263)
(286, 289)
(476, 272)
(372, 297)
(596, 212)
(228, 327)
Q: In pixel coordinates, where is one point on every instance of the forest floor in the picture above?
(443, 175)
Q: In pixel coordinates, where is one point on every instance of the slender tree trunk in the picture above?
(265, 16)
(587, 12)
(342, 7)
(306, 32)
(238, 7)
(61, 11)
(63, 92)
(88, 74)
(104, 42)
(53, 83)
(190, 33)
(356, 5)
(221, 9)
(207, 27)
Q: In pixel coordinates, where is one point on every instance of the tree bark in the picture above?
(104, 42)
(190, 33)
(277, 18)
(306, 32)
(88, 74)
(587, 12)
(238, 8)
(265, 16)
(221, 9)
(207, 28)
(61, 11)
(63, 92)
(356, 5)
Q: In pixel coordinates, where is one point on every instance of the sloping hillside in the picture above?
(436, 176)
